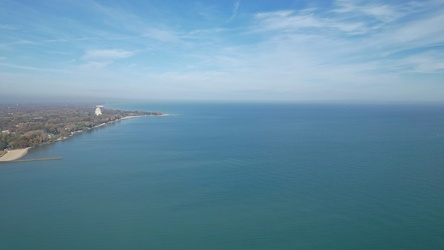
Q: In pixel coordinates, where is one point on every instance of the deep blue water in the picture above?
(236, 176)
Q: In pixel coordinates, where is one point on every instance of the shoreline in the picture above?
(15, 154)
(130, 116)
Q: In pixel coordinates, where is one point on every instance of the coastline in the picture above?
(130, 116)
(14, 154)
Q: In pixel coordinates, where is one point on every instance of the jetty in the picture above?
(36, 159)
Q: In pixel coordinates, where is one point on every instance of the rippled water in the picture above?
(236, 176)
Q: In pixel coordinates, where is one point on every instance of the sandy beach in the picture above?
(15, 154)
(136, 116)
(131, 116)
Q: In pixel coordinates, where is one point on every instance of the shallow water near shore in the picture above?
(236, 176)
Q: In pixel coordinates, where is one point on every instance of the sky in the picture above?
(255, 50)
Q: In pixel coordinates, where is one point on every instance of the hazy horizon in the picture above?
(229, 51)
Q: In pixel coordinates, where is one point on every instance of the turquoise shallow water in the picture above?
(236, 176)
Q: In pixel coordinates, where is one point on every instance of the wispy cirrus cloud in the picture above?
(427, 62)
(423, 32)
(304, 21)
(378, 34)
(95, 64)
(101, 58)
(382, 12)
(161, 34)
(235, 10)
(107, 54)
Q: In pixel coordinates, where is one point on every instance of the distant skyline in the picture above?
(344, 50)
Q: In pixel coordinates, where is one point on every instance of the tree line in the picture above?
(24, 126)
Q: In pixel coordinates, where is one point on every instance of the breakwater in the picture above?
(37, 159)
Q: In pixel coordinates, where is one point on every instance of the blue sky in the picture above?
(344, 50)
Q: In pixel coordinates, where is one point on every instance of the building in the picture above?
(98, 111)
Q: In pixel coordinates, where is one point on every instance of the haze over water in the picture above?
(236, 176)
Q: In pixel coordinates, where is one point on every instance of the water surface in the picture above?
(236, 176)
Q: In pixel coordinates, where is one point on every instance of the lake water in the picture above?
(236, 176)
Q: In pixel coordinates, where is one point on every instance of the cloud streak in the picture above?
(291, 21)
(235, 10)
(107, 54)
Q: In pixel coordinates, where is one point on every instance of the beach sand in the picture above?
(131, 116)
(15, 154)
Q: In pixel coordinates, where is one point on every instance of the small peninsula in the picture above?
(23, 126)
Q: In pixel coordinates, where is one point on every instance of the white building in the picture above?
(98, 111)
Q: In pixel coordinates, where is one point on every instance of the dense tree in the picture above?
(29, 125)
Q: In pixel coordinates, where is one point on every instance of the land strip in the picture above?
(26, 126)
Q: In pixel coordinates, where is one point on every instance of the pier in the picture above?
(37, 159)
